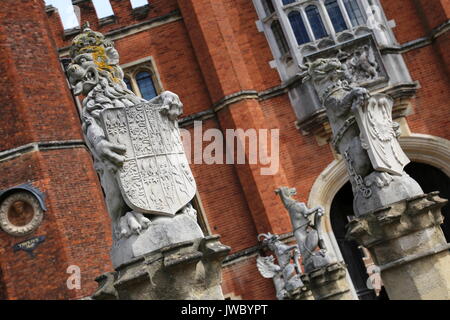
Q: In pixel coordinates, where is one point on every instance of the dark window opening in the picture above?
(146, 86)
(128, 83)
(336, 15)
(354, 12)
(268, 7)
(315, 20)
(279, 37)
(298, 27)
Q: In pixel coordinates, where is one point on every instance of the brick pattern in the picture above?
(36, 107)
(31, 80)
(214, 51)
(243, 279)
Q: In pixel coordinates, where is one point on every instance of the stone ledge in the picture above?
(397, 220)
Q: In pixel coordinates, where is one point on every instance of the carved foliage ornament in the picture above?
(20, 214)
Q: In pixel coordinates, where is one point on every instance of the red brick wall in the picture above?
(243, 280)
(214, 51)
(37, 107)
(428, 65)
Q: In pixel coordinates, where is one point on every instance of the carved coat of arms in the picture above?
(379, 135)
(155, 177)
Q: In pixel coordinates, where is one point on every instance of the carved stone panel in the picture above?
(20, 214)
(156, 177)
(361, 60)
(379, 135)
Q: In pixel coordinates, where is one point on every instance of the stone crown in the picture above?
(88, 41)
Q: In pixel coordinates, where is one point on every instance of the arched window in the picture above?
(128, 83)
(298, 27)
(279, 37)
(268, 7)
(285, 2)
(316, 22)
(146, 86)
(354, 12)
(335, 15)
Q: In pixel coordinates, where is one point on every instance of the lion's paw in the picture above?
(132, 223)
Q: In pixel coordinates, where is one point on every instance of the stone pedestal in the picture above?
(304, 293)
(188, 270)
(408, 245)
(330, 283)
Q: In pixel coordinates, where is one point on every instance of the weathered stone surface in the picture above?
(365, 135)
(408, 245)
(135, 143)
(330, 283)
(287, 276)
(326, 276)
(188, 270)
(138, 153)
(307, 233)
(161, 232)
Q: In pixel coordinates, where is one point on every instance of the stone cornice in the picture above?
(133, 29)
(234, 98)
(420, 42)
(40, 146)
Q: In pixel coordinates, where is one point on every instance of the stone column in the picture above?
(408, 245)
(189, 270)
(330, 283)
(305, 292)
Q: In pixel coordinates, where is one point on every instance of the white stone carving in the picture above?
(20, 214)
(379, 135)
(155, 176)
(135, 143)
(366, 136)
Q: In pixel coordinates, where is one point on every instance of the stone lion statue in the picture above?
(365, 135)
(94, 73)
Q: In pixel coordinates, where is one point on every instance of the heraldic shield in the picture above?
(155, 177)
(379, 135)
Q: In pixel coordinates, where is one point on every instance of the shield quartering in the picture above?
(378, 135)
(155, 177)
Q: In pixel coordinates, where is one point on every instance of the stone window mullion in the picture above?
(307, 24)
(345, 14)
(287, 30)
(135, 86)
(328, 23)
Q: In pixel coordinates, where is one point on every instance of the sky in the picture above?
(102, 7)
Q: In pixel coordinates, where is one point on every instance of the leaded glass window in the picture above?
(146, 86)
(354, 12)
(315, 20)
(279, 37)
(298, 26)
(268, 7)
(336, 15)
(128, 83)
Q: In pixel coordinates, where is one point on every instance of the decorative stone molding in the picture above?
(20, 213)
(397, 220)
(422, 148)
(409, 247)
(428, 149)
(330, 283)
(188, 270)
